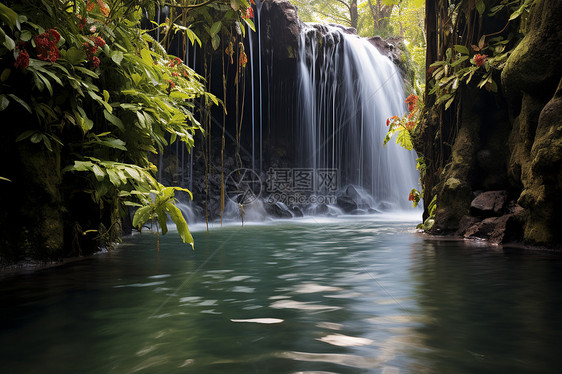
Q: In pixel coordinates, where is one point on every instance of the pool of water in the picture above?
(351, 295)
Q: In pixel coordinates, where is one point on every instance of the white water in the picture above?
(347, 91)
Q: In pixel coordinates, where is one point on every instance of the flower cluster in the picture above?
(412, 102)
(103, 7)
(22, 61)
(175, 62)
(479, 59)
(46, 45)
(249, 13)
(92, 49)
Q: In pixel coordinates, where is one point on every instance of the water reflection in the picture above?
(338, 297)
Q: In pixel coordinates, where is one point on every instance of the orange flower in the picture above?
(104, 9)
(243, 59)
(412, 102)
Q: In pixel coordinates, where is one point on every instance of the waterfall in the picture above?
(347, 90)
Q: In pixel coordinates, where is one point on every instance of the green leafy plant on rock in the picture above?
(82, 80)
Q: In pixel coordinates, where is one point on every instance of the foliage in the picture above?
(206, 20)
(84, 81)
(403, 126)
(483, 59)
(430, 220)
(156, 205)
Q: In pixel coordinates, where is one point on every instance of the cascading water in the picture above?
(347, 90)
(320, 104)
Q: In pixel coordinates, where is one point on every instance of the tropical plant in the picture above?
(403, 127)
(82, 80)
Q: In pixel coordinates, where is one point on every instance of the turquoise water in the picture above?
(366, 295)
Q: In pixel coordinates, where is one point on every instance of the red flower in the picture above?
(22, 61)
(410, 125)
(388, 121)
(171, 85)
(249, 13)
(177, 61)
(411, 197)
(479, 59)
(98, 41)
(174, 74)
(82, 23)
(46, 45)
(412, 102)
(54, 35)
(95, 62)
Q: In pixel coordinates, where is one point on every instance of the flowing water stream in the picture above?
(350, 295)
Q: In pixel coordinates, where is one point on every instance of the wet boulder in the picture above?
(488, 204)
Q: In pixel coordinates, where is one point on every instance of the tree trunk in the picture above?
(354, 16)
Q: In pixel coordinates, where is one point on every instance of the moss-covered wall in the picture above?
(509, 142)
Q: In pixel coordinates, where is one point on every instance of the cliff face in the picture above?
(503, 180)
(533, 87)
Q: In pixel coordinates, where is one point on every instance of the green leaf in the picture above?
(5, 74)
(8, 16)
(25, 35)
(146, 56)
(24, 135)
(83, 165)
(480, 7)
(114, 143)
(100, 175)
(4, 102)
(459, 60)
(215, 28)
(141, 216)
(113, 177)
(75, 56)
(162, 218)
(215, 42)
(250, 23)
(181, 224)
(136, 78)
(21, 102)
(192, 37)
(117, 57)
(114, 120)
(461, 49)
(448, 103)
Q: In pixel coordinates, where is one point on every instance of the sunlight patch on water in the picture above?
(243, 289)
(306, 288)
(190, 299)
(238, 278)
(267, 321)
(292, 304)
(159, 276)
(140, 284)
(345, 341)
